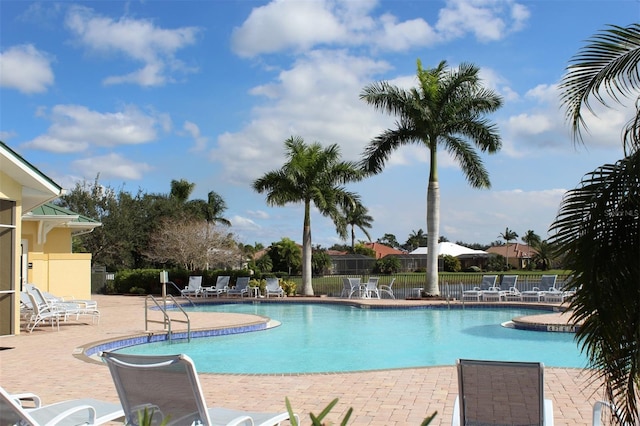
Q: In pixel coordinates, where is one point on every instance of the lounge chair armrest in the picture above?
(241, 420)
(535, 289)
(91, 419)
(27, 396)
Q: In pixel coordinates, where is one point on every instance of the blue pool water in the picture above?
(317, 338)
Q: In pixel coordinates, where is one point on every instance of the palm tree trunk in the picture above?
(307, 287)
(433, 229)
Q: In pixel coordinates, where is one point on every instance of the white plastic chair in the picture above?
(388, 289)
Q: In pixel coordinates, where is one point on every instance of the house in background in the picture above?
(519, 255)
(36, 239)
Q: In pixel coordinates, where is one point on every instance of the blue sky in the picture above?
(143, 92)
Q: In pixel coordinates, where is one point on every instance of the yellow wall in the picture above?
(64, 274)
(58, 240)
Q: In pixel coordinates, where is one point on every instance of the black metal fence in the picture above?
(410, 285)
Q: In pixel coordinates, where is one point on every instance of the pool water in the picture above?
(315, 338)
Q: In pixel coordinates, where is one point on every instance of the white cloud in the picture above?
(316, 99)
(75, 128)
(111, 166)
(138, 39)
(487, 20)
(284, 25)
(25, 69)
(5, 135)
(194, 131)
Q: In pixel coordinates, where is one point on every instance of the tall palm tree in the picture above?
(447, 108)
(357, 216)
(598, 227)
(312, 174)
(211, 210)
(508, 235)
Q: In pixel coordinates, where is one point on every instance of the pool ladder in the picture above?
(166, 320)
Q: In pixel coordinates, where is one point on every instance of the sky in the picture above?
(140, 93)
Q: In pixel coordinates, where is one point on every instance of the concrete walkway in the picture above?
(47, 362)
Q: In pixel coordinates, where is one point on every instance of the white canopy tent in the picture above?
(451, 249)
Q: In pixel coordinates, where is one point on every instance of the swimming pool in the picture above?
(323, 338)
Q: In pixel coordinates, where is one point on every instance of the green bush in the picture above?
(451, 263)
(290, 287)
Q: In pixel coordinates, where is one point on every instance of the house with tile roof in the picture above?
(519, 255)
(36, 239)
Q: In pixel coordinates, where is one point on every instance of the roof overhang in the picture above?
(37, 188)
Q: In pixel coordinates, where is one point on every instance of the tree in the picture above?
(447, 108)
(356, 216)
(507, 236)
(320, 261)
(181, 190)
(210, 210)
(285, 256)
(416, 239)
(389, 240)
(597, 228)
(193, 245)
(530, 238)
(543, 257)
(312, 174)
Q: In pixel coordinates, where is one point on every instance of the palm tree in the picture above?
(416, 239)
(312, 174)
(211, 210)
(447, 108)
(508, 235)
(181, 190)
(357, 215)
(597, 229)
(543, 256)
(530, 238)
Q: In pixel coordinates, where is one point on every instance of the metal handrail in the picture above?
(180, 291)
(166, 318)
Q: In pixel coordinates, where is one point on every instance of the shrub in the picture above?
(387, 265)
(451, 263)
(290, 287)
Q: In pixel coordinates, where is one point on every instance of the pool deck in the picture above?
(49, 363)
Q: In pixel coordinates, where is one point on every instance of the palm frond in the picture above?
(607, 65)
(598, 233)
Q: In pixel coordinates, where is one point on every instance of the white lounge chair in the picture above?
(68, 309)
(85, 411)
(194, 288)
(169, 385)
(273, 288)
(547, 284)
(42, 313)
(501, 393)
(507, 286)
(92, 304)
(387, 289)
(241, 287)
(488, 281)
(221, 287)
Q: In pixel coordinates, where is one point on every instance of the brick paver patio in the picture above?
(46, 362)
